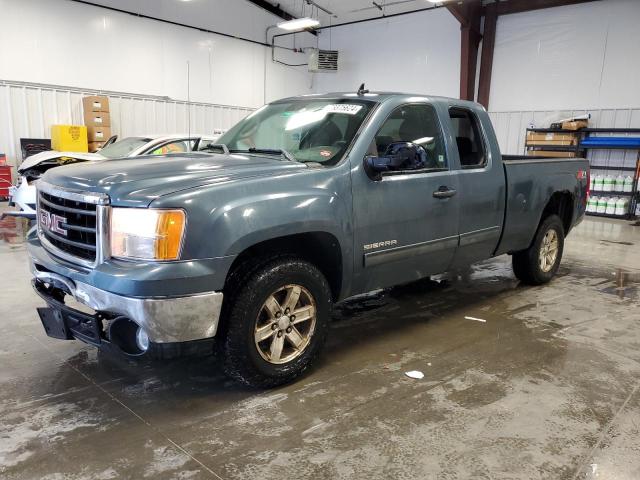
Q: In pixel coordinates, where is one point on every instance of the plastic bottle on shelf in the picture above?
(592, 185)
(602, 205)
(608, 183)
(598, 182)
(619, 185)
(628, 184)
(611, 206)
(592, 204)
(622, 205)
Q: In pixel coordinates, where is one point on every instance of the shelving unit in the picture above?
(585, 141)
(614, 192)
(607, 215)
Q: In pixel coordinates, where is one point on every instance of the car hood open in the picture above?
(62, 158)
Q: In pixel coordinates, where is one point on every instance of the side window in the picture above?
(468, 138)
(417, 123)
(179, 146)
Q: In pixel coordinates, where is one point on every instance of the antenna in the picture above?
(362, 91)
(188, 102)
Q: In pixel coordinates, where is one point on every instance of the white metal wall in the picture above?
(511, 130)
(28, 111)
(418, 53)
(574, 56)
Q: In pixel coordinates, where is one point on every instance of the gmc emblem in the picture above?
(52, 222)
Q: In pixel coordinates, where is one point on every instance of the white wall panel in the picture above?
(571, 57)
(60, 42)
(418, 53)
(29, 111)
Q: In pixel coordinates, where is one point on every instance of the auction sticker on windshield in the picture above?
(346, 108)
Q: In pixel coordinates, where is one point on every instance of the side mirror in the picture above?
(398, 156)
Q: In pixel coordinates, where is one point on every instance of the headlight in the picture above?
(146, 233)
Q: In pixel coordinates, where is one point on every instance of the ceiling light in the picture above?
(299, 24)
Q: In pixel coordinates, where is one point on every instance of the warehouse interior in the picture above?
(468, 371)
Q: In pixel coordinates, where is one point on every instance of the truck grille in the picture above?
(69, 222)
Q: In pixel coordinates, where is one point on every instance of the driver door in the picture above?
(403, 228)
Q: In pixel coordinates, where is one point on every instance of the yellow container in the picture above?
(69, 138)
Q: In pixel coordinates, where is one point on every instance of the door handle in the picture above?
(444, 192)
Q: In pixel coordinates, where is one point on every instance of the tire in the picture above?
(275, 360)
(527, 264)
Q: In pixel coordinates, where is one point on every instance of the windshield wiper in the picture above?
(271, 151)
(216, 146)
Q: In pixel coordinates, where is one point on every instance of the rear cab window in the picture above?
(468, 135)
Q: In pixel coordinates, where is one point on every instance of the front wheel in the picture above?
(540, 262)
(277, 323)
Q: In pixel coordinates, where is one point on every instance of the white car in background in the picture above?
(23, 194)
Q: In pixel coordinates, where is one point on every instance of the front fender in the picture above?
(224, 220)
(253, 220)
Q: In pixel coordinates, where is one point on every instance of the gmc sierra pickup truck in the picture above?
(305, 202)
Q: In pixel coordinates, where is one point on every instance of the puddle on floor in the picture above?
(624, 284)
(617, 242)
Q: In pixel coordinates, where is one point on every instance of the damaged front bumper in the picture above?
(165, 320)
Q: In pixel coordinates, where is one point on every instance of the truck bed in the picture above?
(530, 182)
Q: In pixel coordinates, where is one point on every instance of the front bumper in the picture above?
(165, 319)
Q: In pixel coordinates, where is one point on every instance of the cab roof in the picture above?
(381, 97)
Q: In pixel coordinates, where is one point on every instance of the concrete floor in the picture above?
(547, 387)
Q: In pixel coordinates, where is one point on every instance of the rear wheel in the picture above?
(540, 262)
(277, 323)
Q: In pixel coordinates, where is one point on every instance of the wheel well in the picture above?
(319, 248)
(561, 204)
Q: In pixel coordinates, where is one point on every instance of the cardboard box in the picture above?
(95, 146)
(97, 119)
(98, 134)
(535, 136)
(572, 125)
(69, 138)
(95, 103)
(547, 153)
(575, 125)
(559, 143)
(559, 139)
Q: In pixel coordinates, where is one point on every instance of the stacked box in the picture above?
(559, 139)
(547, 153)
(97, 119)
(551, 139)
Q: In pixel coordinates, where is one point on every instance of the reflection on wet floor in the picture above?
(624, 284)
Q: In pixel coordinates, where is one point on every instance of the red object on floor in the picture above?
(5, 180)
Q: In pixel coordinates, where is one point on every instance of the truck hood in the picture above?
(52, 155)
(140, 180)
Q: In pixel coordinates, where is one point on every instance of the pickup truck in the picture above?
(307, 201)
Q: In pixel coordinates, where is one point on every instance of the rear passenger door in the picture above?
(482, 186)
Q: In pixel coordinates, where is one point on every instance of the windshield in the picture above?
(124, 147)
(311, 130)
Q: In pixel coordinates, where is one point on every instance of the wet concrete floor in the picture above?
(546, 387)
